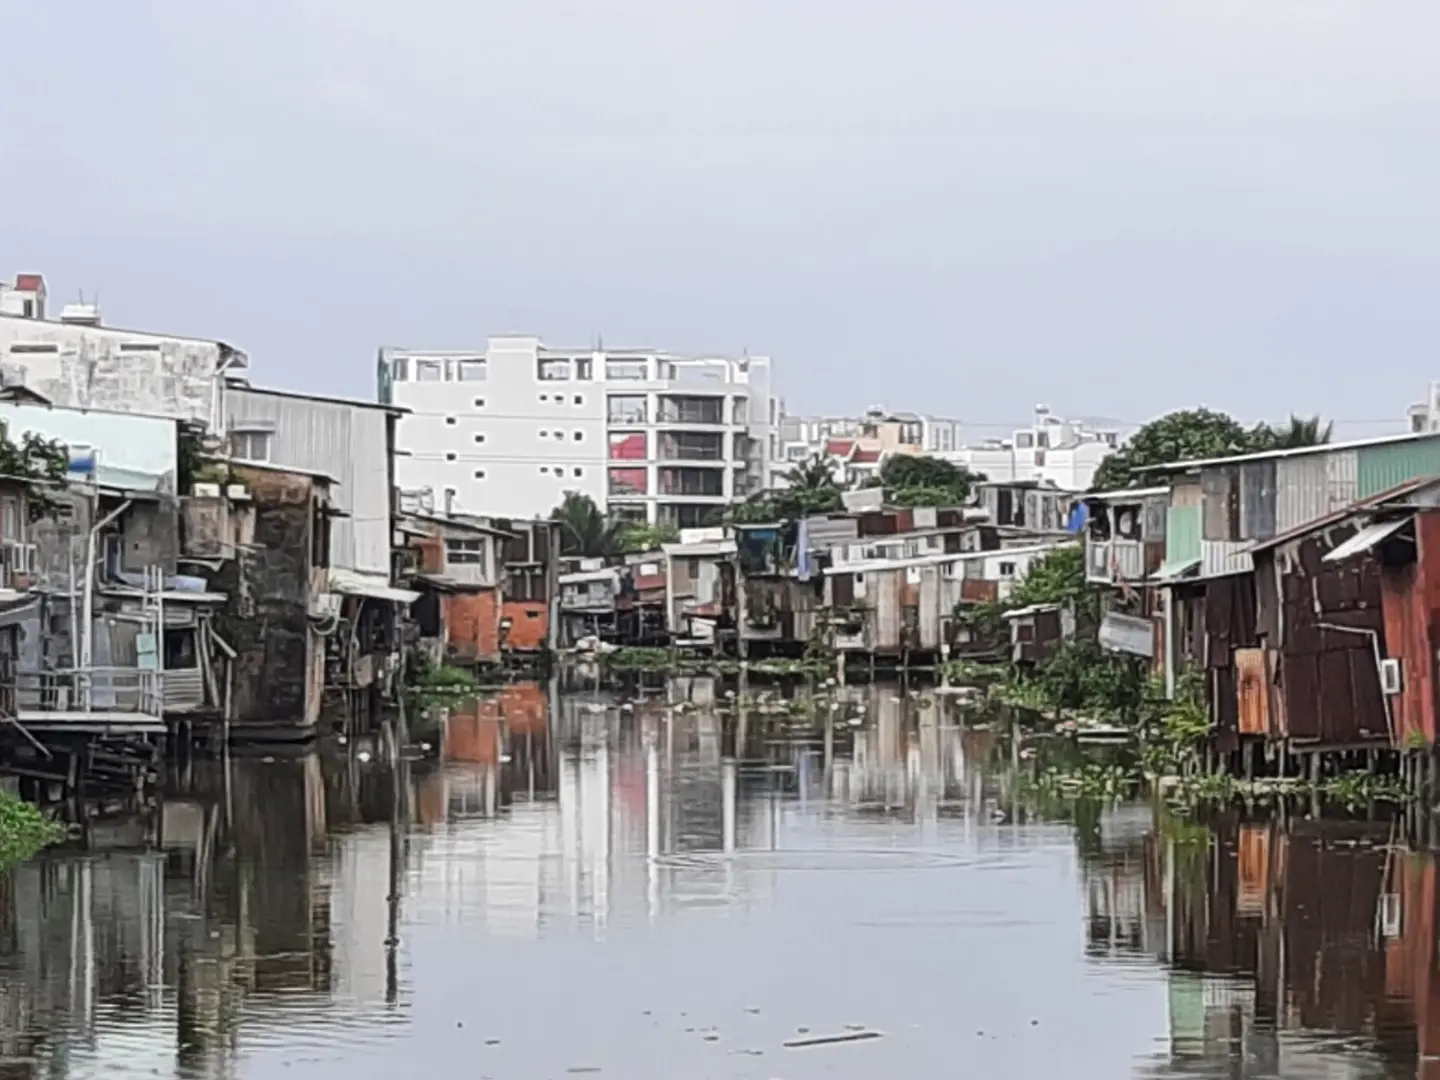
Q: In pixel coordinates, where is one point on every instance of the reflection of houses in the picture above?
(700, 584)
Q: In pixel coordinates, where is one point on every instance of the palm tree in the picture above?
(1303, 431)
(814, 473)
(583, 528)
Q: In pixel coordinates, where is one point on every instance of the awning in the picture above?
(351, 583)
(1175, 569)
(1365, 539)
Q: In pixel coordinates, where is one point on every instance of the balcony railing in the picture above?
(92, 690)
(1111, 561)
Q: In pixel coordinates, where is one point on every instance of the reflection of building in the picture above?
(1295, 949)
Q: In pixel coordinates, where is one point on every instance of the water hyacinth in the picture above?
(24, 830)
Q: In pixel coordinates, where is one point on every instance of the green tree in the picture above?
(584, 531)
(815, 473)
(1300, 431)
(920, 480)
(787, 504)
(1177, 436)
(638, 538)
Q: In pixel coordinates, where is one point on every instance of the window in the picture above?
(479, 436)
(479, 474)
(1007, 569)
(582, 371)
(578, 471)
(553, 370)
(471, 370)
(450, 420)
(544, 397)
(21, 349)
(579, 399)
(628, 481)
(1042, 438)
(579, 436)
(250, 445)
(626, 409)
(544, 468)
(427, 371)
(692, 446)
(628, 447)
(740, 410)
(180, 650)
(27, 309)
(400, 369)
(626, 369)
(450, 457)
(1024, 440)
(692, 410)
(10, 528)
(479, 403)
(139, 347)
(559, 436)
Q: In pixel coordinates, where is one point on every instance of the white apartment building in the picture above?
(1061, 452)
(650, 436)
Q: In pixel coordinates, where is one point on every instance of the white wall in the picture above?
(117, 370)
(525, 469)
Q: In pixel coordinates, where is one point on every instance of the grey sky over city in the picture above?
(1118, 208)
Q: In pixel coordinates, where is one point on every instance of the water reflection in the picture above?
(664, 885)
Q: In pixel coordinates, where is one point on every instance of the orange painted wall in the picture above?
(524, 709)
(529, 625)
(472, 624)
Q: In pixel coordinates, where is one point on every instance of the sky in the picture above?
(1116, 208)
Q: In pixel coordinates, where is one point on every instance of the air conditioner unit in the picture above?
(1390, 681)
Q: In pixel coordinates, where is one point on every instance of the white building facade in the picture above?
(1051, 450)
(650, 436)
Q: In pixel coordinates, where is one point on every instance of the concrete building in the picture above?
(76, 361)
(1051, 450)
(877, 430)
(648, 435)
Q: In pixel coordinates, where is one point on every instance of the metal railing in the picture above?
(94, 690)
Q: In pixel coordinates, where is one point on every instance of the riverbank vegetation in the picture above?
(24, 830)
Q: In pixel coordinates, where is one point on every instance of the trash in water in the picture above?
(825, 1040)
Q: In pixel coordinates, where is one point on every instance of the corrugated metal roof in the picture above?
(1400, 491)
(1266, 455)
(1365, 539)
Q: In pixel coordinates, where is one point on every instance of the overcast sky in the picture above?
(1116, 208)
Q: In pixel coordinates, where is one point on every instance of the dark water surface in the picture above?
(556, 886)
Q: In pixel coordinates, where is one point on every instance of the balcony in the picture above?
(708, 483)
(691, 446)
(691, 410)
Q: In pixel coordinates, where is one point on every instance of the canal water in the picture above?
(549, 885)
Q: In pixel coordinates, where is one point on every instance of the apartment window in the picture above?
(544, 397)
(139, 347)
(579, 436)
(400, 369)
(479, 474)
(479, 436)
(709, 482)
(1024, 440)
(250, 445)
(628, 447)
(1007, 569)
(450, 457)
(620, 370)
(1042, 438)
(553, 370)
(579, 399)
(471, 370)
(27, 309)
(466, 552)
(479, 403)
(427, 371)
(692, 410)
(582, 371)
(577, 471)
(450, 420)
(560, 436)
(24, 348)
(692, 446)
(628, 481)
(10, 519)
(545, 468)
(626, 409)
(740, 410)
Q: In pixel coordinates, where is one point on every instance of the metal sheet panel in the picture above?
(1302, 490)
(346, 440)
(1341, 479)
(1252, 691)
(1128, 634)
(1379, 468)
(1219, 557)
(1257, 500)
(930, 601)
(883, 588)
(1182, 534)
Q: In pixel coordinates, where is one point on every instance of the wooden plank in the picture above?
(1252, 694)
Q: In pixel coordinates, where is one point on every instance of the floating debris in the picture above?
(826, 1040)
